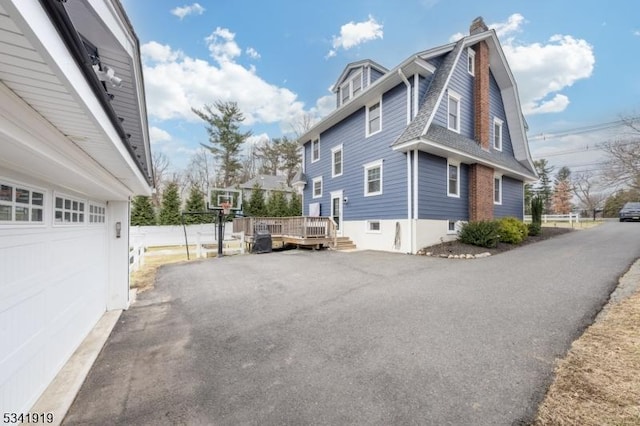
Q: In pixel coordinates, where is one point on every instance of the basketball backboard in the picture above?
(218, 196)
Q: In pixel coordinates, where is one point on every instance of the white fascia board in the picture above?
(34, 22)
(115, 23)
(448, 152)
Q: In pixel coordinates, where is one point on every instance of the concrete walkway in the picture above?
(354, 338)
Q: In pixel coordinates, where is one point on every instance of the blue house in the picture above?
(411, 152)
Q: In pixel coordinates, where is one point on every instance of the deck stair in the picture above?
(345, 243)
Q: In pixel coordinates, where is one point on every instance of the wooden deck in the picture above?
(302, 231)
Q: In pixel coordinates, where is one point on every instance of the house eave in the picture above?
(431, 147)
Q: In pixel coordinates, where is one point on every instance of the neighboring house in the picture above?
(410, 152)
(74, 147)
(268, 183)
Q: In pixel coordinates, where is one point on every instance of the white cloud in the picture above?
(157, 135)
(636, 33)
(543, 70)
(353, 34)
(252, 53)
(222, 45)
(194, 9)
(175, 82)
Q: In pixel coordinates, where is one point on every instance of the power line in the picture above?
(542, 136)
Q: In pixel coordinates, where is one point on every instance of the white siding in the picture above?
(53, 287)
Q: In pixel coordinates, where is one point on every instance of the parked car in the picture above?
(630, 211)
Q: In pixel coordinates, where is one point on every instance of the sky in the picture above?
(575, 62)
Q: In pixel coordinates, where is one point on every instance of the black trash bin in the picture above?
(262, 242)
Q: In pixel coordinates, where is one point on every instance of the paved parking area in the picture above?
(305, 337)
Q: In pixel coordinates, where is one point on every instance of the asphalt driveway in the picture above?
(304, 337)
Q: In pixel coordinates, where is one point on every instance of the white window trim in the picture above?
(499, 178)
(333, 159)
(92, 206)
(71, 198)
(367, 167)
(367, 123)
(22, 224)
(457, 164)
(499, 123)
(313, 187)
(449, 231)
(368, 229)
(471, 64)
(348, 85)
(458, 98)
(313, 160)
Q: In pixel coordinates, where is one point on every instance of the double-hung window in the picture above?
(453, 179)
(497, 189)
(497, 134)
(315, 150)
(374, 118)
(453, 111)
(373, 178)
(317, 187)
(351, 88)
(20, 204)
(337, 160)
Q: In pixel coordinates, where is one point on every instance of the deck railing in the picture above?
(302, 227)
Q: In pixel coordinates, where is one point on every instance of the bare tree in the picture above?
(291, 156)
(200, 172)
(303, 124)
(249, 164)
(585, 187)
(623, 165)
(161, 166)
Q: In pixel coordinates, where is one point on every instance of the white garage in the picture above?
(74, 148)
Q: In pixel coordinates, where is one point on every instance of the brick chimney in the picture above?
(481, 177)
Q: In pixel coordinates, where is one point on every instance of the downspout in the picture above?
(409, 181)
(406, 82)
(414, 236)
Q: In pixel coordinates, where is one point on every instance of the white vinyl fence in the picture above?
(141, 237)
(546, 218)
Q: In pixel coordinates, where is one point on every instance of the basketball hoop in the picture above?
(226, 207)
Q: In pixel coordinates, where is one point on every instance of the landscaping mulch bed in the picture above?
(456, 248)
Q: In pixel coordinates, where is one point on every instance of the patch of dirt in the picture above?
(456, 248)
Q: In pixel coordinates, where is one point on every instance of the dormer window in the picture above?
(351, 88)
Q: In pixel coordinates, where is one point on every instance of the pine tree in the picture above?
(142, 213)
(195, 203)
(223, 125)
(277, 205)
(256, 205)
(170, 209)
(295, 205)
(543, 188)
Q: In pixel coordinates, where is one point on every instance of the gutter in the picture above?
(60, 19)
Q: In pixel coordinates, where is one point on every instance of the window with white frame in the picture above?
(337, 160)
(497, 134)
(351, 88)
(20, 204)
(497, 189)
(453, 179)
(317, 187)
(373, 178)
(451, 227)
(453, 111)
(374, 118)
(373, 226)
(68, 210)
(471, 61)
(315, 150)
(97, 213)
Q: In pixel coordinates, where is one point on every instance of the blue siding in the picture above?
(375, 74)
(359, 150)
(512, 199)
(433, 201)
(462, 83)
(496, 109)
